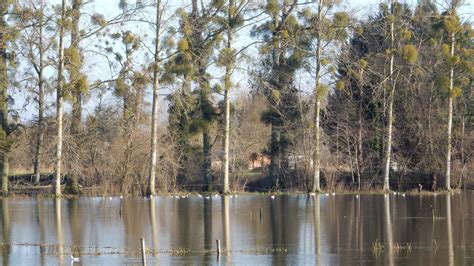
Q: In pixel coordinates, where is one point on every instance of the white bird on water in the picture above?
(74, 259)
(272, 196)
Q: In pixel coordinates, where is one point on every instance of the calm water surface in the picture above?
(294, 230)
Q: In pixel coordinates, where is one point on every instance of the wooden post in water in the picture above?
(218, 246)
(142, 241)
(261, 215)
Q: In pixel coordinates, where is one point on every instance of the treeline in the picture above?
(234, 95)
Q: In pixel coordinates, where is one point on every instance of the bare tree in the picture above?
(59, 101)
(388, 144)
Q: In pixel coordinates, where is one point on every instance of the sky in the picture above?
(95, 70)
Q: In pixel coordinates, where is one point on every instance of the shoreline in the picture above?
(45, 192)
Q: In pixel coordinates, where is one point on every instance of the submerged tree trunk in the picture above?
(388, 144)
(388, 230)
(154, 112)
(6, 231)
(59, 103)
(450, 118)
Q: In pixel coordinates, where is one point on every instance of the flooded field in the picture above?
(253, 229)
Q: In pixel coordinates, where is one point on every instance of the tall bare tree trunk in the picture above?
(40, 129)
(4, 168)
(76, 94)
(3, 102)
(154, 112)
(227, 85)
(226, 131)
(388, 145)
(462, 151)
(207, 149)
(275, 165)
(360, 154)
(59, 102)
(450, 119)
(317, 108)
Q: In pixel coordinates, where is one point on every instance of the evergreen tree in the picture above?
(283, 54)
(200, 36)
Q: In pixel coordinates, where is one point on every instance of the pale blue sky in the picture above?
(94, 68)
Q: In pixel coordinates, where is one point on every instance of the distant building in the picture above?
(299, 161)
(258, 160)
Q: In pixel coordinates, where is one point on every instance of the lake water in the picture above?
(297, 230)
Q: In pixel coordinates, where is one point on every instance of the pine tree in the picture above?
(283, 54)
(199, 38)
